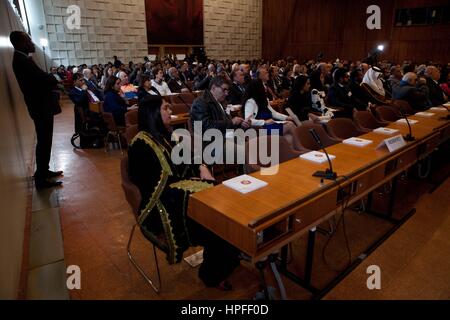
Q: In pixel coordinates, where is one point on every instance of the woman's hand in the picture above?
(270, 121)
(205, 174)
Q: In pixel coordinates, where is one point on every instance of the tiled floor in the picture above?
(96, 222)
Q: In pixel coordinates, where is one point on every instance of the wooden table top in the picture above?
(294, 179)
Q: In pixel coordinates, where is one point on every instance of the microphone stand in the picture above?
(328, 174)
(409, 137)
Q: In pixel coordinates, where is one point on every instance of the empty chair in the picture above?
(343, 128)
(366, 121)
(385, 113)
(131, 132)
(113, 131)
(180, 108)
(404, 106)
(133, 196)
(307, 140)
(131, 117)
(184, 97)
(253, 162)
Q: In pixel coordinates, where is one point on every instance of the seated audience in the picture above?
(145, 89)
(87, 74)
(300, 97)
(113, 102)
(263, 75)
(320, 79)
(237, 89)
(210, 108)
(395, 77)
(80, 98)
(175, 84)
(202, 80)
(127, 90)
(446, 85)
(261, 114)
(435, 93)
(415, 94)
(356, 79)
(159, 84)
(374, 85)
(340, 95)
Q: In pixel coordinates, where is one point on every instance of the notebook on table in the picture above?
(245, 184)
(317, 156)
(411, 122)
(386, 131)
(425, 114)
(357, 142)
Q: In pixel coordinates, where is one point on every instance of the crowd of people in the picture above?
(308, 86)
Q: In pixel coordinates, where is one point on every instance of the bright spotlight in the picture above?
(380, 47)
(44, 42)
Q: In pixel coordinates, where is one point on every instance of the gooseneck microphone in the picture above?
(328, 174)
(409, 136)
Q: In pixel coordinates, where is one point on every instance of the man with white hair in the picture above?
(435, 93)
(175, 84)
(92, 86)
(415, 94)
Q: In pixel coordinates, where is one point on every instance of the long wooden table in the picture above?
(262, 222)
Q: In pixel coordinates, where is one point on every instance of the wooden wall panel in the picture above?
(303, 28)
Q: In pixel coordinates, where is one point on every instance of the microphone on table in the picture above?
(328, 174)
(409, 136)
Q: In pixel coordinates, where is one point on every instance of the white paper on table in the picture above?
(317, 157)
(357, 142)
(447, 104)
(411, 122)
(386, 131)
(245, 184)
(425, 114)
(281, 122)
(438, 108)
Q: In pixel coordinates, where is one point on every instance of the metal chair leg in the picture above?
(120, 143)
(139, 269)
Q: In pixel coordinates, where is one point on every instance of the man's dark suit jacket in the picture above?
(36, 86)
(436, 94)
(175, 87)
(95, 89)
(236, 95)
(210, 113)
(339, 97)
(79, 98)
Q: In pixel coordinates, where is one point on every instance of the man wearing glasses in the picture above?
(210, 108)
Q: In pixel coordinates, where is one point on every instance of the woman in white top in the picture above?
(261, 114)
(159, 84)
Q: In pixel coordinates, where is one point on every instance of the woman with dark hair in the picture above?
(113, 102)
(165, 189)
(300, 98)
(259, 111)
(145, 88)
(159, 84)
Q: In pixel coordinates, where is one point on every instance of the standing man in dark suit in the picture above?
(36, 86)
